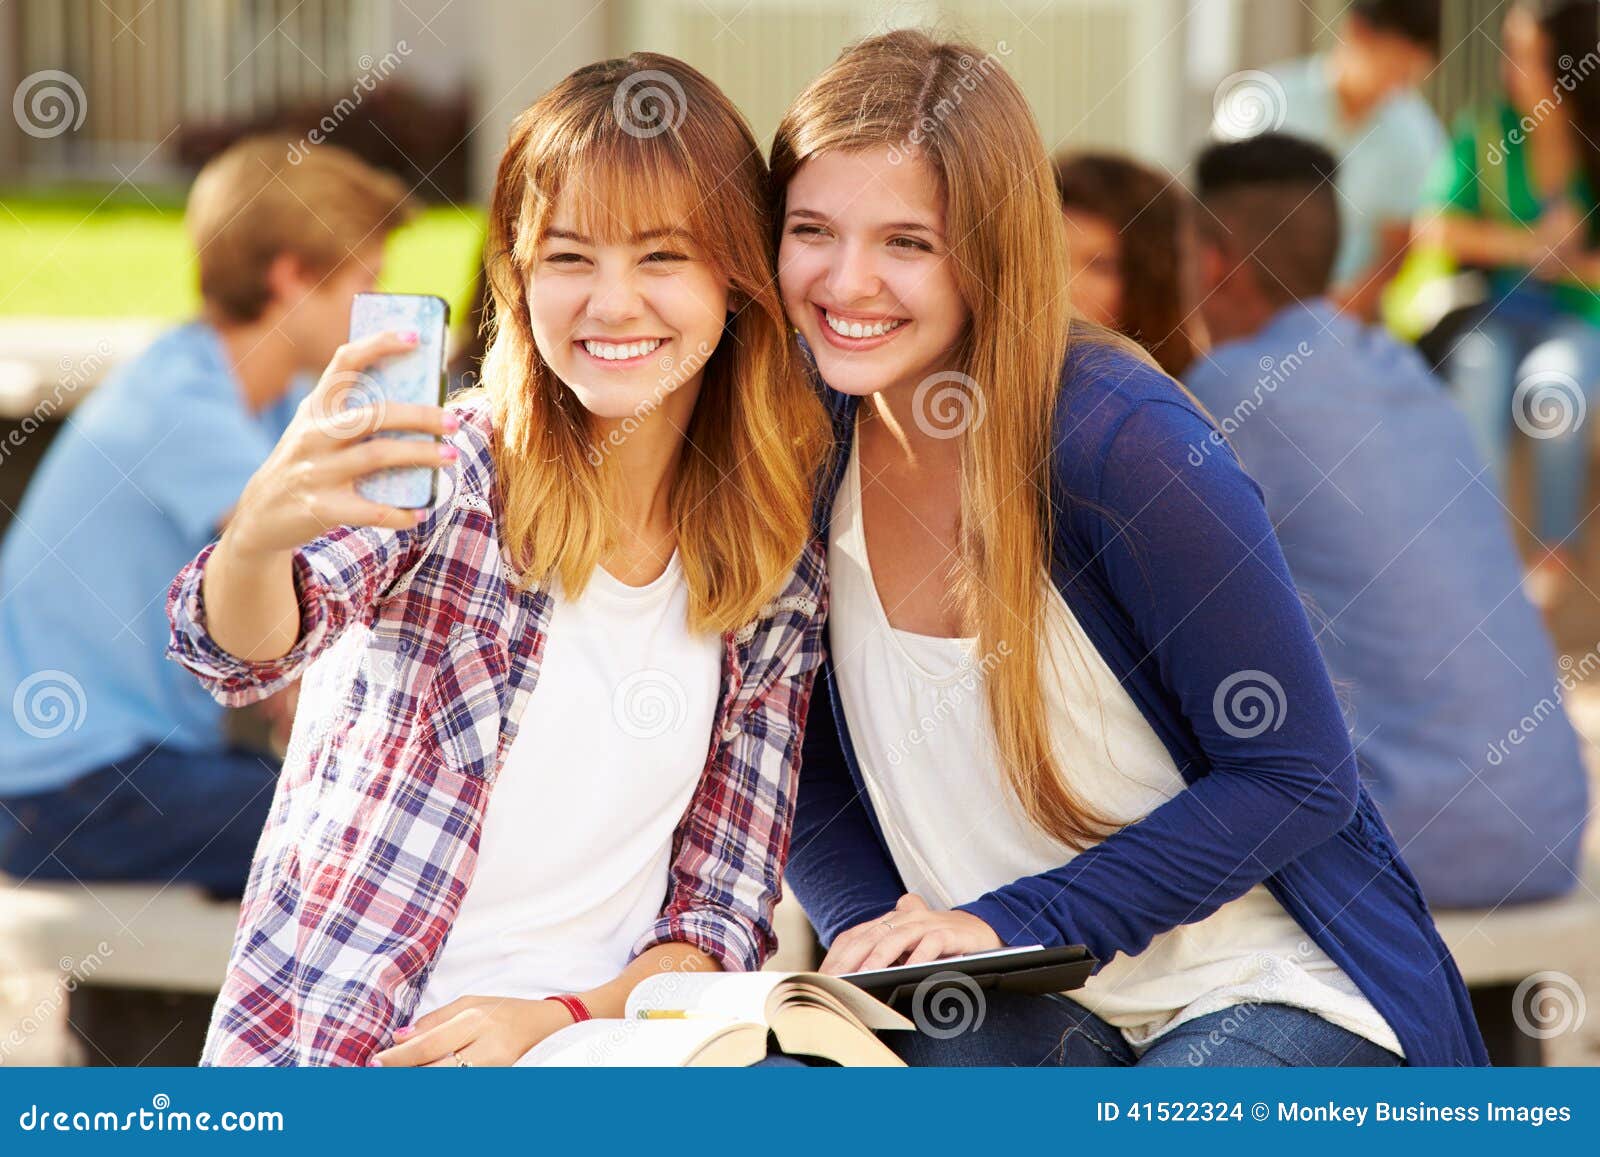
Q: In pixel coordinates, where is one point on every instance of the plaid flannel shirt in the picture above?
(417, 658)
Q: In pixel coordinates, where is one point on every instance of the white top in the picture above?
(919, 722)
(577, 840)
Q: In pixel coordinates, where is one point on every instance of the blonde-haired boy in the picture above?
(113, 762)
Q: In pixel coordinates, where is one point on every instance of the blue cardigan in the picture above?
(1164, 552)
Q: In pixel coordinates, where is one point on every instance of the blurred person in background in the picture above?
(1393, 536)
(1516, 195)
(1360, 101)
(1130, 244)
(114, 763)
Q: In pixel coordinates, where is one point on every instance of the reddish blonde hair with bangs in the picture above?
(648, 143)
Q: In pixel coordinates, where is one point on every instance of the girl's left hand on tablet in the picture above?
(480, 1030)
(913, 934)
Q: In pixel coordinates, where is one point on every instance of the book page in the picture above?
(734, 995)
(747, 996)
(627, 1043)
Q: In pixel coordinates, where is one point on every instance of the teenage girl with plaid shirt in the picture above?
(607, 623)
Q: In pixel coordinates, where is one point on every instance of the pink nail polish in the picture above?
(409, 336)
(404, 1031)
(452, 423)
(375, 1063)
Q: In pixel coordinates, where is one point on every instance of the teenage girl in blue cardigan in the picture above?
(1072, 694)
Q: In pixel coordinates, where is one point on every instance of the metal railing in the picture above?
(124, 75)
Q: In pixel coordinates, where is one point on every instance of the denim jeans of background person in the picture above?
(1527, 363)
(1515, 196)
(1395, 536)
(114, 763)
(1532, 357)
(1009, 1029)
(160, 814)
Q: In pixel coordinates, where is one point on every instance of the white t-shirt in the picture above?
(920, 727)
(577, 840)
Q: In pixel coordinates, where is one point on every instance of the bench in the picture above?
(51, 364)
(138, 966)
(1526, 965)
(141, 964)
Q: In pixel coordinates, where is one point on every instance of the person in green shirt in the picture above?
(1515, 196)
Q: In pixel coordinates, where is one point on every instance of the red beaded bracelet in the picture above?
(574, 1005)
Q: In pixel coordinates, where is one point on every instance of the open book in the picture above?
(722, 1018)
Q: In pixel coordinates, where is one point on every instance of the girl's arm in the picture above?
(838, 867)
(1476, 241)
(1191, 556)
(1455, 217)
(497, 1030)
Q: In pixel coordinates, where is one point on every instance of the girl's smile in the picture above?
(621, 353)
(857, 332)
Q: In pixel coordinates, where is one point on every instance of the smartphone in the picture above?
(418, 376)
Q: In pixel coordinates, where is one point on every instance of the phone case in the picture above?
(414, 377)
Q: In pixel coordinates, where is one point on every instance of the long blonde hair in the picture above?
(955, 108)
(648, 142)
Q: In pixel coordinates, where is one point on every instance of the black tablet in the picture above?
(1032, 969)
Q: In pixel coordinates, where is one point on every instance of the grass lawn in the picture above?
(69, 253)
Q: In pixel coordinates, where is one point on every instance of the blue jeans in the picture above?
(1525, 340)
(1022, 1030)
(159, 815)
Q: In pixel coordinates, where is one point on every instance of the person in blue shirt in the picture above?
(1070, 695)
(1361, 101)
(1391, 527)
(114, 764)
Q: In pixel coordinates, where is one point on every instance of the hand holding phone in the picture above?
(309, 484)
